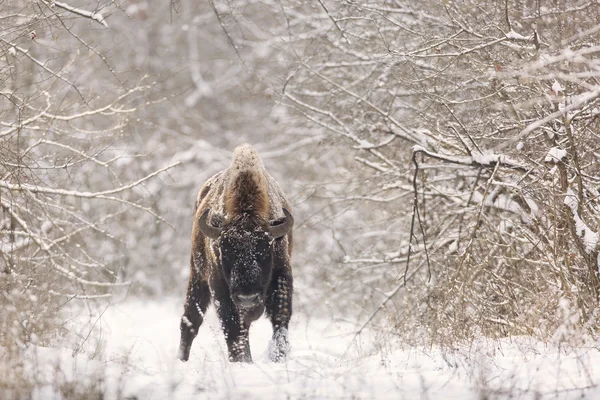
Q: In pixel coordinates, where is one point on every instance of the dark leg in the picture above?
(279, 310)
(198, 297)
(235, 328)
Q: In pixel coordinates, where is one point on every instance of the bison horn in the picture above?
(207, 228)
(281, 226)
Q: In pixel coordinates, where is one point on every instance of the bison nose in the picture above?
(247, 300)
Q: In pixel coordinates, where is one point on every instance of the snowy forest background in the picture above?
(442, 158)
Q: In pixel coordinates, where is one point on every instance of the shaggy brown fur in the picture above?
(247, 194)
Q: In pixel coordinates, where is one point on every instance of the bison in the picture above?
(241, 249)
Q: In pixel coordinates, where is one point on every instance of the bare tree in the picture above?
(67, 181)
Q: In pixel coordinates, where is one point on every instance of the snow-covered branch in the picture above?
(105, 194)
(475, 160)
(93, 15)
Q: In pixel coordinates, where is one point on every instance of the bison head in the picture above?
(246, 245)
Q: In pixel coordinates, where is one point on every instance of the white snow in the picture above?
(453, 247)
(485, 159)
(555, 155)
(512, 35)
(488, 158)
(363, 144)
(556, 88)
(135, 357)
(588, 237)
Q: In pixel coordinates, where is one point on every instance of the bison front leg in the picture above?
(235, 328)
(196, 303)
(279, 310)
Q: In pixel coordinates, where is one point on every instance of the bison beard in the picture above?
(241, 248)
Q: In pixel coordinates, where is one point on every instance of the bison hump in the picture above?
(247, 186)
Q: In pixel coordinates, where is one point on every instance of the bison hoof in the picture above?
(279, 347)
(183, 353)
(240, 359)
(277, 356)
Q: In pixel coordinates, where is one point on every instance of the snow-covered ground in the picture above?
(132, 350)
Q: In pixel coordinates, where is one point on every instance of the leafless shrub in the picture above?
(478, 122)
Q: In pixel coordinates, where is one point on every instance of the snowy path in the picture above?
(139, 341)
